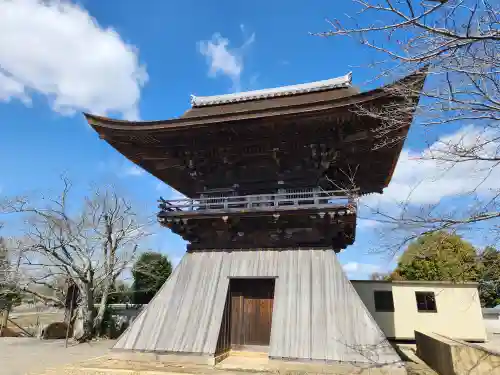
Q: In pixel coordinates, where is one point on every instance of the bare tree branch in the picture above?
(458, 42)
(91, 247)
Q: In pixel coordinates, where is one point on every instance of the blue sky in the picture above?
(143, 60)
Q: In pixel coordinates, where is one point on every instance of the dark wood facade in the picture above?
(308, 228)
(309, 219)
(254, 171)
(301, 140)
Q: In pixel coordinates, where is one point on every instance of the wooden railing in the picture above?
(260, 202)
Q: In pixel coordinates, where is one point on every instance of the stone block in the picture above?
(56, 330)
(449, 356)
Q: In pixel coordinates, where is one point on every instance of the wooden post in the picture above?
(68, 314)
(1, 323)
(5, 318)
(70, 318)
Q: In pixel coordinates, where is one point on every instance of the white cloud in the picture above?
(225, 60)
(427, 181)
(55, 48)
(10, 88)
(365, 268)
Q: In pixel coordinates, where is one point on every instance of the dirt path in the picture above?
(19, 356)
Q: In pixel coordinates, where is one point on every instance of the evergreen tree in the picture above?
(438, 256)
(150, 272)
(489, 277)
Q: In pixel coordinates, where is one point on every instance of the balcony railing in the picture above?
(260, 202)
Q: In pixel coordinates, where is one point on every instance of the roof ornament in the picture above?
(328, 84)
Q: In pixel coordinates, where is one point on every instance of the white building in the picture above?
(401, 307)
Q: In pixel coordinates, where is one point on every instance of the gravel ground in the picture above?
(20, 356)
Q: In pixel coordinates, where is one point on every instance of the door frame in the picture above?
(249, 347)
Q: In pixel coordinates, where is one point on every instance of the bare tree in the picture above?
(458, 43)
(4, 286)
(9, 280)
(89, 246)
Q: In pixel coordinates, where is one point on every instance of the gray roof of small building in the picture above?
(491, 310)
(422, 282)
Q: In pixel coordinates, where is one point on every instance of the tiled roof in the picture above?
(333, 83)
(491, 311)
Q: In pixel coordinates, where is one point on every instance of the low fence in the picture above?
(258, 202)
(121, 315)
(30, 319)
(125, 309)
(491, 318)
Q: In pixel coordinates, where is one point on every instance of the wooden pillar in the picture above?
(4, 318)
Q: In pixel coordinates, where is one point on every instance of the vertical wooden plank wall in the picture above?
(317, 313)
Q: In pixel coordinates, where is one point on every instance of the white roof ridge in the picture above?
(338, 82)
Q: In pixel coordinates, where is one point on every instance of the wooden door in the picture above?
(251, 312)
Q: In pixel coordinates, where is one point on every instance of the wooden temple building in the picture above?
(271, 179)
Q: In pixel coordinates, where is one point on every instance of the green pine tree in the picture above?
(150, 272)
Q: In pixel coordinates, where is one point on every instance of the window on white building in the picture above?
(426, 301)
(384, 301)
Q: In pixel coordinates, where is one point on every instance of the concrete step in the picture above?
(241, 353)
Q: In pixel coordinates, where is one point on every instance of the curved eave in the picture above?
(101, 124)
(109, 129)
(417, 81)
